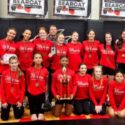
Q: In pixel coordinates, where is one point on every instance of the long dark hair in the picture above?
(12, 28)
(120, 40)
(112, 42)
(118, 71)
(89, 32)
(21, 36)
(34, 56)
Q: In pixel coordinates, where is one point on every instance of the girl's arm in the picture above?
(111, 97)
(22, 88)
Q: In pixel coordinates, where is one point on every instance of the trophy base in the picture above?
(65, 98)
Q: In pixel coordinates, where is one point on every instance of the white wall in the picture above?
(94, 10)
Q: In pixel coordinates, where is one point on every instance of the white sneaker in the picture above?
(41, 117)
(33, 117)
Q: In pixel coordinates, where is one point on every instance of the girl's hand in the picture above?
(57, 97)
(4, 105)
(1, 61)
(98, 109)
(116, 113)
(19, 104)
(71, 97)
(50, 55)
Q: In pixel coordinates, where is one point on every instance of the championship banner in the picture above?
(71, 7)
(113, 8)
(28, 7)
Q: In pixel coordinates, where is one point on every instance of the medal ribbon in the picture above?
(37, 76)
(100, 82)
(108, 52)
(90, 47)
(12, 79)
(7, 48)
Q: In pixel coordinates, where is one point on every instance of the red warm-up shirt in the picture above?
(74, 55)
(25, 51)
(60, 51)
(43, 47)
(36, 80)
(117, 95)
(12, 87)
(120, 54)
(6, 47)
(98, 90)
(82, 86)
(57, 86)
(91, 53)
(107, 56)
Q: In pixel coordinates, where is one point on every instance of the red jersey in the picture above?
(12, 87)
(6, 47)
(25, 51)
(60, 51)
(90, 53)
(61, 89)
(120, 53)
(98, 90)
(107, 56)
(43, 47)
(117, 95)
(82, 86)
(36, 80)
(74, 55)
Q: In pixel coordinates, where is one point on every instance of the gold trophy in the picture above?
(65, 80)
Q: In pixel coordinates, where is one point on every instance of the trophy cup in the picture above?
(65, 81)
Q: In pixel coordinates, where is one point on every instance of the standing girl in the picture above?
(60, 50)
(43, 46)
(117, 96)
(98, 91)
(120, 52)
(74, 52)
(36, 86)
(107, 59)
(82, 99)
(25, 50)
(90, 51)
(12, 90)
(7, 47)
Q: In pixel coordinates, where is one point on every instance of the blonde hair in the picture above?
(98, 66)
(20, 73)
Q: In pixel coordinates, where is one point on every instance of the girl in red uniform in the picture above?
(117, 96)
(98, 91)
(43, 46)
(120, 52)
(74, 52)
(25, 50)
(107, 59)
(90, 51)
(12, 90)
(7, 47)
(36, 86)
(82, 99)
(61, 50)
(63, 88)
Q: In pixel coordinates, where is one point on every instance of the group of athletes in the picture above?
(81, 77)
